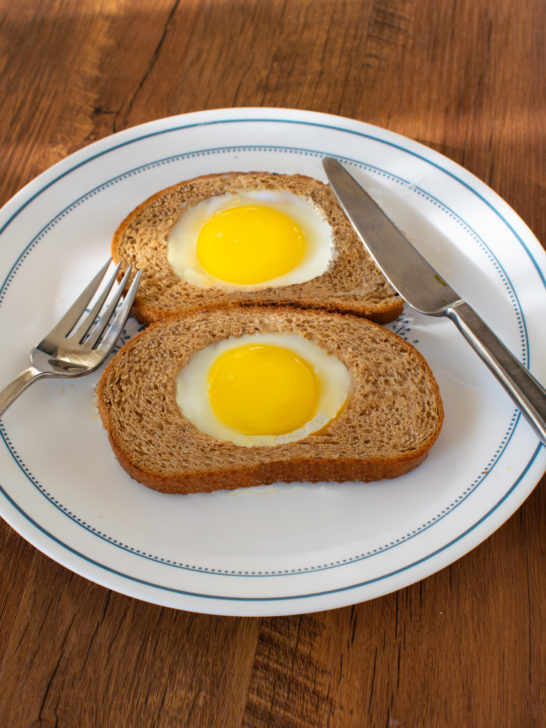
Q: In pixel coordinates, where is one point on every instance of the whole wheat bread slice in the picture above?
(352, 283)
(390, 422)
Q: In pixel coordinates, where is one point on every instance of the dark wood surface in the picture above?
(466, 647)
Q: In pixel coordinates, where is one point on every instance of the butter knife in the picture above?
(421, 286)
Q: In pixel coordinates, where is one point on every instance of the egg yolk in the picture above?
(250, 244)
(261, 389)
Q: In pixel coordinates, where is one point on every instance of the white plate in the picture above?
(276, 549)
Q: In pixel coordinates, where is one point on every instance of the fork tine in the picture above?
(69, 320)
(92, 315)
(102, 322)
(118, 322)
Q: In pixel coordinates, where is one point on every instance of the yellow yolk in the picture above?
(250, 244)
(261, 389)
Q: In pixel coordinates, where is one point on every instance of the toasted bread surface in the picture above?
(352, 283)
(391, 419)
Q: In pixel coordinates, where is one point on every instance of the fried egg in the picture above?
(251, 239)
(262, 389)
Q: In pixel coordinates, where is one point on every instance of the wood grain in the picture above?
(466, 647)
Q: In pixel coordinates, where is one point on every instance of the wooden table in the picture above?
(466, 647)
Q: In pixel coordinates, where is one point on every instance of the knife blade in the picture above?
(421, 286)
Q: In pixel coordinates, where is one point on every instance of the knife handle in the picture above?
(525, 390)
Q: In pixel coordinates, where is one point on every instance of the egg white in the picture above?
(193, 399)
(182, 240)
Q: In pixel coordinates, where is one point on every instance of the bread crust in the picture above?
(296, 471)
(352, 284)
(139, 377)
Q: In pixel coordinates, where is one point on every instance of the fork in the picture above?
(81, 340)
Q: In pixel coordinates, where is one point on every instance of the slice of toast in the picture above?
(352, 283)
(390, 421)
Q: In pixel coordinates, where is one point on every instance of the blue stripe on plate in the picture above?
(325, 592)
(504, 277)
(483, 473)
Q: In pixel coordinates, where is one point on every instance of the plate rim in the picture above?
(270, 115)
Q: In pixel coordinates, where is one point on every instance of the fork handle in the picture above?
(13, 390)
